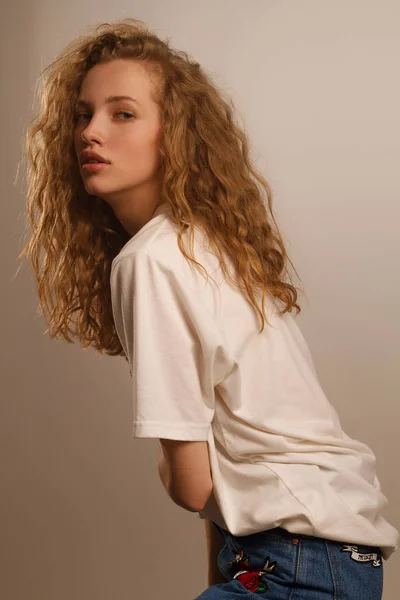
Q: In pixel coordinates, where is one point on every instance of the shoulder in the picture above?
(158, 250)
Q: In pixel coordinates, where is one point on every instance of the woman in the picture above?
(135, 157)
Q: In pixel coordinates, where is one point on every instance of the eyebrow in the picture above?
(109, 100)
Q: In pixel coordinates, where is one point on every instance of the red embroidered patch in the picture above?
(252, 579)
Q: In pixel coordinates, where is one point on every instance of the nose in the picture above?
(92, 132)
(88, 136)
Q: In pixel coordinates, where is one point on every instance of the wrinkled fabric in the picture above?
(201, 371)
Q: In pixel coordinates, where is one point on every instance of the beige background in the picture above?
(83, 513)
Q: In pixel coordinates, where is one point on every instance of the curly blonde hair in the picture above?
(207, 180)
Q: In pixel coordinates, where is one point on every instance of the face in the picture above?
(126, 134)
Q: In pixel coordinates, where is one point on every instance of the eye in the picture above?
(79, 115)
(121, 112)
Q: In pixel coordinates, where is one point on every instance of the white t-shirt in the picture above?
(202, 372)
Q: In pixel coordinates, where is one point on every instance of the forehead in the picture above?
(117, 78)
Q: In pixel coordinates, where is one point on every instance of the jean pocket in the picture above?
(356, 569)
(258, 560)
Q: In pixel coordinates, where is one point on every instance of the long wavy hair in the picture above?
(208, 180)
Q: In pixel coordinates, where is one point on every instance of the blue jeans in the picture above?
(278, 565)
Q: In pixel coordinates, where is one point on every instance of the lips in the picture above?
(94, 167)
(88, 155)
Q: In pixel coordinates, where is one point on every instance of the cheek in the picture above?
(139, 152)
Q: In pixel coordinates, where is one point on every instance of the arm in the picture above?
(163, 471)
(184, 469)
(215, 543)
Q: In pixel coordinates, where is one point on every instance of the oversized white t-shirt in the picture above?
(202, 372)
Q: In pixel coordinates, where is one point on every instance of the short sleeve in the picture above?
(173, 348)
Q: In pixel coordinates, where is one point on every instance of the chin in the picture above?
(96, 189)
